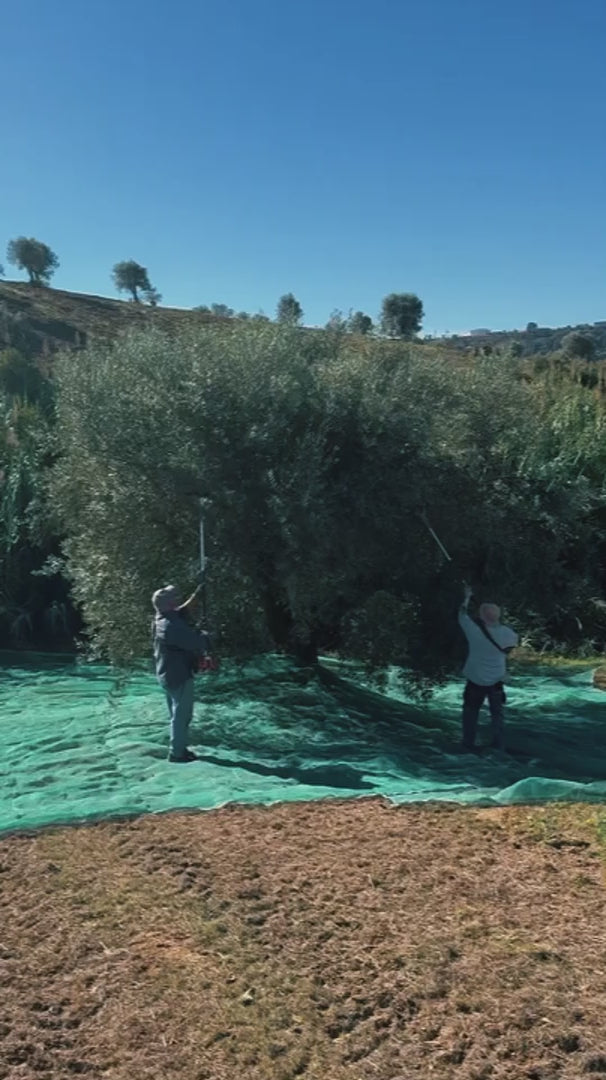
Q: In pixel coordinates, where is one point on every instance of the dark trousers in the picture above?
(473, 699)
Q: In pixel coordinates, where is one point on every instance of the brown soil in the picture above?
(327, 941)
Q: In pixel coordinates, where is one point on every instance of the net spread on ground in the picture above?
(77, 746)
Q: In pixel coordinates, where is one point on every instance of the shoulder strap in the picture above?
(482, 626)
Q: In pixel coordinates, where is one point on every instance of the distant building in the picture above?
(482, 332)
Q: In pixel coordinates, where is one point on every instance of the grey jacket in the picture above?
(177, 649)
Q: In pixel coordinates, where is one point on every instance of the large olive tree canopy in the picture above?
(316, 456)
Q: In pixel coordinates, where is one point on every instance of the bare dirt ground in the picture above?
(327, 941)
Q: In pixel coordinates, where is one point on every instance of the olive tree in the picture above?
(360, 323)
(129, 276)
(401, 315)
(280, 439)
(289, 310)
(316, 465)
(37, 259)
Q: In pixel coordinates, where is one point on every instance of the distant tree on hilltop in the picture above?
(130, 276)
(359, 323)
(578, 344)
(1, 270)
(337, 322)
(223, 311)
(401, 315)
(289, 310)
(36, 258)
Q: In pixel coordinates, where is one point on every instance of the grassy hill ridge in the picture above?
(38, 319)
(53, 318)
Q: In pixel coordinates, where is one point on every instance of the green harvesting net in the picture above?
(75, 747)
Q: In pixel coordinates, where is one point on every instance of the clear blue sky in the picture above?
(240, 150)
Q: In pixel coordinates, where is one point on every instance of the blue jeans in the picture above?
(180, 701)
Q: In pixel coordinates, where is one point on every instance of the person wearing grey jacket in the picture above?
(177, 652)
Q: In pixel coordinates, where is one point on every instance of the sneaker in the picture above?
(182, 759)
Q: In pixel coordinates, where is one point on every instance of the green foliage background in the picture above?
(317, 455)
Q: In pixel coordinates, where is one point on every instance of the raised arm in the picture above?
(464, 615)
(467, 595)
(191, 601)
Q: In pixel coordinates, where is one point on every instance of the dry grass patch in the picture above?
(341, 940)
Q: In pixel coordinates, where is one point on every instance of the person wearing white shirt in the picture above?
(485, 669)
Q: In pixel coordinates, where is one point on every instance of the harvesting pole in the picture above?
(423, 517)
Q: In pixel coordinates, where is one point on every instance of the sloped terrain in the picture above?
(51, 319)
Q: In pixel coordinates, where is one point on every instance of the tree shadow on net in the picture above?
(563, 740)
(386, 741)
(329, 776)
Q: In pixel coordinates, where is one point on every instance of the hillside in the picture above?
(36, 319)
(536, 341)
(42, 319)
